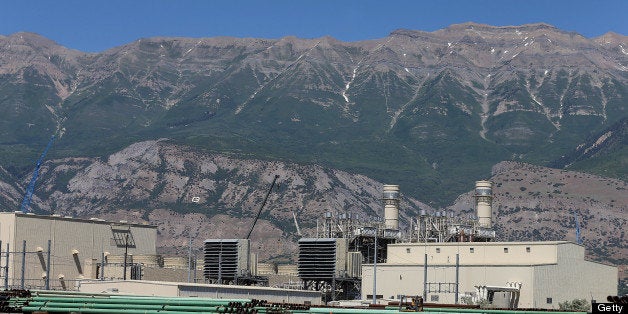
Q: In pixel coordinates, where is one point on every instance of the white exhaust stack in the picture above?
(484, 202)
(391, 206)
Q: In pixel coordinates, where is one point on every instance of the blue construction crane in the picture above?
(31, 185)
(578, 238)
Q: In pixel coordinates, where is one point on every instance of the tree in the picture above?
(576, 305)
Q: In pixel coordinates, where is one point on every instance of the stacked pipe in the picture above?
(12, 300)
(83, 303)
(129, 304)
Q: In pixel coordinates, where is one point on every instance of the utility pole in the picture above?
(425, 278)
(126, 250)
(189, 254)
(48, 265)
(23, 263)
(375, 268)
(6, 270)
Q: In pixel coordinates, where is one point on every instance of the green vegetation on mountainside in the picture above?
(432, 120)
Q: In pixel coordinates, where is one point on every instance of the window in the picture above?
(407, 250)
(505, 250)
(471, 250)
(434, 298)
(528, 249)
(549, 300)
(437, 250)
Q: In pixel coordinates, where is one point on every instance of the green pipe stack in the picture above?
(130, 304)
(55, 302)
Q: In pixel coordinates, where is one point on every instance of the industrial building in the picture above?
(41, 252)
(540, 274)
(448, 259)
(175, 289)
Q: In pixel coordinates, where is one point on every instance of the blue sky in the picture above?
(93, 26)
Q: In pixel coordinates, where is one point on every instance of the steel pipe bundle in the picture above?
(84, 303)
(132, 305)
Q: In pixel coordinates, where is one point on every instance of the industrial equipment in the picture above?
(229, 260)
(443, 226)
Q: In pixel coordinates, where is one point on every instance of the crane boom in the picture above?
(296, 223)
(259, 211)
(31, 185)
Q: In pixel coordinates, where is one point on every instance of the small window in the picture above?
(407, 250)
(437, 250)
(549, 300)
(528, 249)
(434, 298)
(505, 250)
(471, 250)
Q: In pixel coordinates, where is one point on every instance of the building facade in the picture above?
(174, 289)
(77, 248)
(544, 273)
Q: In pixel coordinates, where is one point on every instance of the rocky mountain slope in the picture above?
(157, 182)
(539, 203)
(209, 195)
(426, 109)
(430, 111)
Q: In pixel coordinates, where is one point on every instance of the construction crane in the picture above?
(31, 185)
(259, 211)
(247, 280)
(578, 238)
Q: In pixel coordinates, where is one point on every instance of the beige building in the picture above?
(77, 247)
(546, 273)
(178, 289)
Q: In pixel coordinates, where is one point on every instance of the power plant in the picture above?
(443, 257)
(443, 226)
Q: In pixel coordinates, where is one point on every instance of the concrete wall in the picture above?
(394, 280)
(77, 246)
(578, 278)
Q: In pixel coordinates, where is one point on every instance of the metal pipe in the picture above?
(457, 274)
(23, 263)
(190, 254)
(425, 278)
(126, 300)
(347, 311)
(126, 251)
(47, 285)
(375, 270)
(30, 309)
(102, 265)
(129, 306)
(6, 270)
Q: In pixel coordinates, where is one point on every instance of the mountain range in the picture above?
(141, 128)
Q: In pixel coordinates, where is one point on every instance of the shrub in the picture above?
(576, 305)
